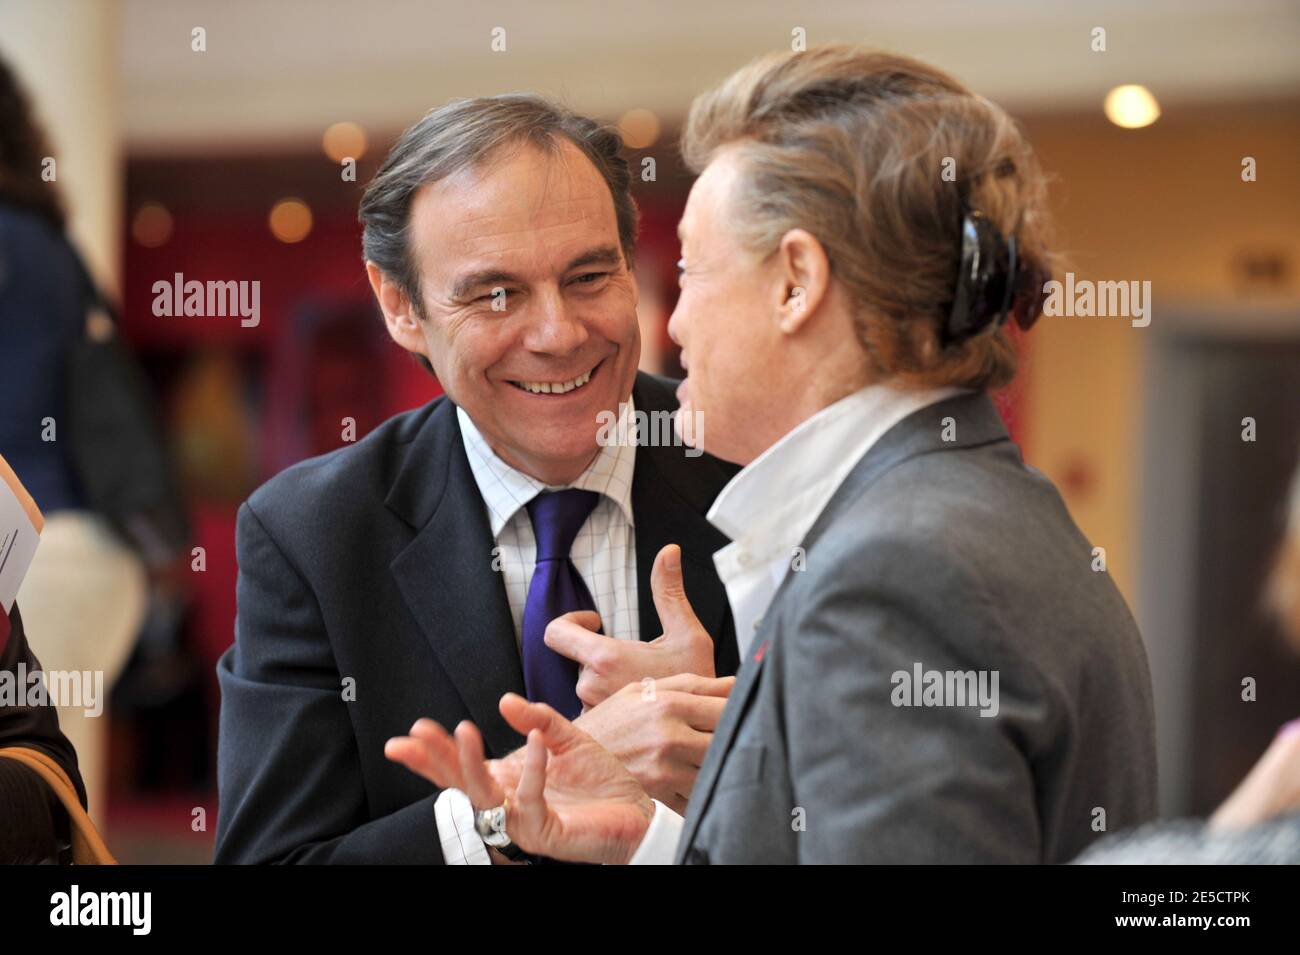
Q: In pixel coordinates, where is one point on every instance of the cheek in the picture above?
(612, 316)
(735, 361)
(468, 349)
(704, 313)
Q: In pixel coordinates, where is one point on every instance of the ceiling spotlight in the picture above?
(1131, 107)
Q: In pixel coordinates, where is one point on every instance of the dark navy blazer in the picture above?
(367, 574)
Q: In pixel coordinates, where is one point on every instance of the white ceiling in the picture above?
(276, 72)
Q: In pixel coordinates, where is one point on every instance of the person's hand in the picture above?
(573, 799)
(425, 753)
(424, 750)
(607, 665)
(1271, 788)
(659, 731)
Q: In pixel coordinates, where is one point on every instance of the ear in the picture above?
(804, 278)
(399, 314)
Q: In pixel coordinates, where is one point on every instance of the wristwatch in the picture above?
(490, 824)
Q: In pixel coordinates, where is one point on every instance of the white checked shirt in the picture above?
(603, 553)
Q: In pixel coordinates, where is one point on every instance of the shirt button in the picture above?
(758, 623)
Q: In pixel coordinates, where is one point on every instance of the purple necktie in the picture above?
(555, 589)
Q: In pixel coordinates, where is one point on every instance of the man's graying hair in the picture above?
(466, 133)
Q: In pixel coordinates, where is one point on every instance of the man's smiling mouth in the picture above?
(557, 387)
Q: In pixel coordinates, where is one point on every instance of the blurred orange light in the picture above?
(640, 128)
(344, 141)
(152, 225)
(290, 220)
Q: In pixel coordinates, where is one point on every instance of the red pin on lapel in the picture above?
(758, 654)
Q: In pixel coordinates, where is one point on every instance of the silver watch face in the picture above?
(491, 827)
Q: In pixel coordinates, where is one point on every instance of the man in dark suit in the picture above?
(415, 573)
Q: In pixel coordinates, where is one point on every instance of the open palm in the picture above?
(574, 799)
(566, 796)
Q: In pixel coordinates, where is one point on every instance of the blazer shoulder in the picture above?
(985, 547)
(340, 480)
(957, 537)
(940, 498)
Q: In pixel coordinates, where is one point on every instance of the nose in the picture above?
(675, 322)
(553, 328)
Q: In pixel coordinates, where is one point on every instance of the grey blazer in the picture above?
(948, 557)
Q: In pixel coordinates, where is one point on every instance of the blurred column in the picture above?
(67, 55)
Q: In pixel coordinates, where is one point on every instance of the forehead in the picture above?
(705, 204)
(526, 203)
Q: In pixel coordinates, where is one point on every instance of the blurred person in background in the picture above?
(77, 430)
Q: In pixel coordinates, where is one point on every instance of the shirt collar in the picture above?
(505, 489)
(773, 502)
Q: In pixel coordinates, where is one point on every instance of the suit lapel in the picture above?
(746, 682)
(446, 576)
(961, 422)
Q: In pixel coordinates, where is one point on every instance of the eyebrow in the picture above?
(607, 255)
(601, 255)
(467, 284)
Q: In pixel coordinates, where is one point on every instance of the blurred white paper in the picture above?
(18, 540)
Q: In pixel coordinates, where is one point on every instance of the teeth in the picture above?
(553, 388)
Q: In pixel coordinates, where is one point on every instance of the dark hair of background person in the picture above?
(23, 150)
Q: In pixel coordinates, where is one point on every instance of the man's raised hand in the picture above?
(607, 665)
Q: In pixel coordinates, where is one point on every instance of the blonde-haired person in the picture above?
(1260, 822)
(863, 232)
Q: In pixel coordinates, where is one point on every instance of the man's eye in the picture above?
(591, 278)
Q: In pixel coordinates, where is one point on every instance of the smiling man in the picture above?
(415, 574)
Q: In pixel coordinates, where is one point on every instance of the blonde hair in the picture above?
(852, 145)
